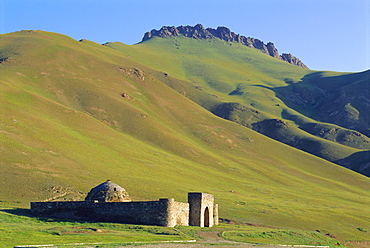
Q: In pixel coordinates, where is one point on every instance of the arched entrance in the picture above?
(206, 217)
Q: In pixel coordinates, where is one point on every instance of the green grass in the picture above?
(281, 237)
(18, 228)
(64, 123)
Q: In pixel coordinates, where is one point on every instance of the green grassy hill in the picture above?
(247, 87)
(74, 114)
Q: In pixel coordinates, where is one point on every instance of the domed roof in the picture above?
(108, 192)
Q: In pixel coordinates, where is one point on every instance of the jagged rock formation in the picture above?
(223, 33)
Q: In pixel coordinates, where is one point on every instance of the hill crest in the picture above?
(223, 33)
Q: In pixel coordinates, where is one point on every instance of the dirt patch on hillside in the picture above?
(214, 238)
(80, 230)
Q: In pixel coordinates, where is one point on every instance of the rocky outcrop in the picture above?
(288, 57)
(132, 72)
(223, 33)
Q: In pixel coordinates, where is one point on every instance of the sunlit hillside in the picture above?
(76, 113)
(322, 113)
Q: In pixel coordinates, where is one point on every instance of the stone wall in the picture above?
(215, 214)
(199, 211)
(165, 212)
(178, 214)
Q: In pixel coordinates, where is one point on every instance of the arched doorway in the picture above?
(206, 217)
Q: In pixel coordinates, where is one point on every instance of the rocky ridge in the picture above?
(223, 33)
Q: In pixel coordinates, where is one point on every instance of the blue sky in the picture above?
(324, 34)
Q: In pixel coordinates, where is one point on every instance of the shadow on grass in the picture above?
(24, 212)
(18, 211)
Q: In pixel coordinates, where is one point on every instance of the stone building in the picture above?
(110, 202)
(108, 192)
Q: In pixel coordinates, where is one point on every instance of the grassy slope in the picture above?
(65, 123)
(214, 73)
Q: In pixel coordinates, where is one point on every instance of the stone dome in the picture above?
(108, 192)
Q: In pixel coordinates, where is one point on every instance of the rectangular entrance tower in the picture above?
(202, 210)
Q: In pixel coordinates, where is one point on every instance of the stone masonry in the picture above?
(203, 212)
(199, 211)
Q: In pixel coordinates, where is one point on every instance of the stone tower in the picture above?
(202, 210)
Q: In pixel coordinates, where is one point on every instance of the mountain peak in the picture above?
(223, 33)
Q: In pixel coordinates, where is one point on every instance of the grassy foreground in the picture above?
(19, 228)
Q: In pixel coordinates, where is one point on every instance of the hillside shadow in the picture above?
(358, 161)
(328, 97)
(299, 95)
(302, 95)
